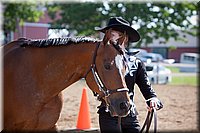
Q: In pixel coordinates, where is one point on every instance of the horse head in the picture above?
(107, 76)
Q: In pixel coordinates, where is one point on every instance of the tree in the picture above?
(153, 20)
(15, 14)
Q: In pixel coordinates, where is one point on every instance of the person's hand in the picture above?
(154, 102)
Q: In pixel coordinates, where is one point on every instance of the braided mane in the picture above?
(55, 41)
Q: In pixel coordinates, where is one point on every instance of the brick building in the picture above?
(173, 49)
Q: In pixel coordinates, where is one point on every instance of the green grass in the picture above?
(173, 69)
(185, 80)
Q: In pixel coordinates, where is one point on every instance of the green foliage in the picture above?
(17, 13)
(81, 17)
(154, 20)
(172, 48)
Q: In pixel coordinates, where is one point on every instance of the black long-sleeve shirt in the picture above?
(137, 75)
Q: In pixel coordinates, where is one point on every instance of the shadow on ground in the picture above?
(80, 131)
(61, 131)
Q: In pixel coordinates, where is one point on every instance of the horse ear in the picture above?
(107, 36)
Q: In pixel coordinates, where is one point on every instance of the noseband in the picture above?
(102, 88)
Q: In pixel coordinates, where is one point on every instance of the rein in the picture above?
(147, 123)
(148, 120)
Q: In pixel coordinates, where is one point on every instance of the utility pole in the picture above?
(157, 71)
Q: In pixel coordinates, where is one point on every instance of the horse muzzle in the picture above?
(118, 104)
(121, 110)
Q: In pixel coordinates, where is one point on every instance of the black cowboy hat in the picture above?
(119, 24)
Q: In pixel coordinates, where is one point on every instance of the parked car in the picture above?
(189, 58)
(149, 57)
(158, 74)
(137, 51)
(154, 57)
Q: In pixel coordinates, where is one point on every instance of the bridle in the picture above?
(102, 88)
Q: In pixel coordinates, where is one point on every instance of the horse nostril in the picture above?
(123, 105)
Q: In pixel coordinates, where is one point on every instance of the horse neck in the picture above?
(69, 64)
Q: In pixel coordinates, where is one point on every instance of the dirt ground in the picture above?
(180, 112)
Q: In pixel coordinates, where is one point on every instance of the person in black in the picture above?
(136, 74)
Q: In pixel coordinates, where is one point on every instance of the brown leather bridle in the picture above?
(102, 88)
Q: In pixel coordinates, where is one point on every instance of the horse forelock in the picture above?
(56, 41)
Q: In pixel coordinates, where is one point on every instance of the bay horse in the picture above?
(36, 71)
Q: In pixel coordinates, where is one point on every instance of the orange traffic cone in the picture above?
(83, 121)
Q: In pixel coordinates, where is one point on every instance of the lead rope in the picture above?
(148, 120)
(155, 120)
(119, 124)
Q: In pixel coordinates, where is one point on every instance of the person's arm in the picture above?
(143, 82)
(146, 88)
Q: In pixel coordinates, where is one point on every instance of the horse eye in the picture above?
(107, 66)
